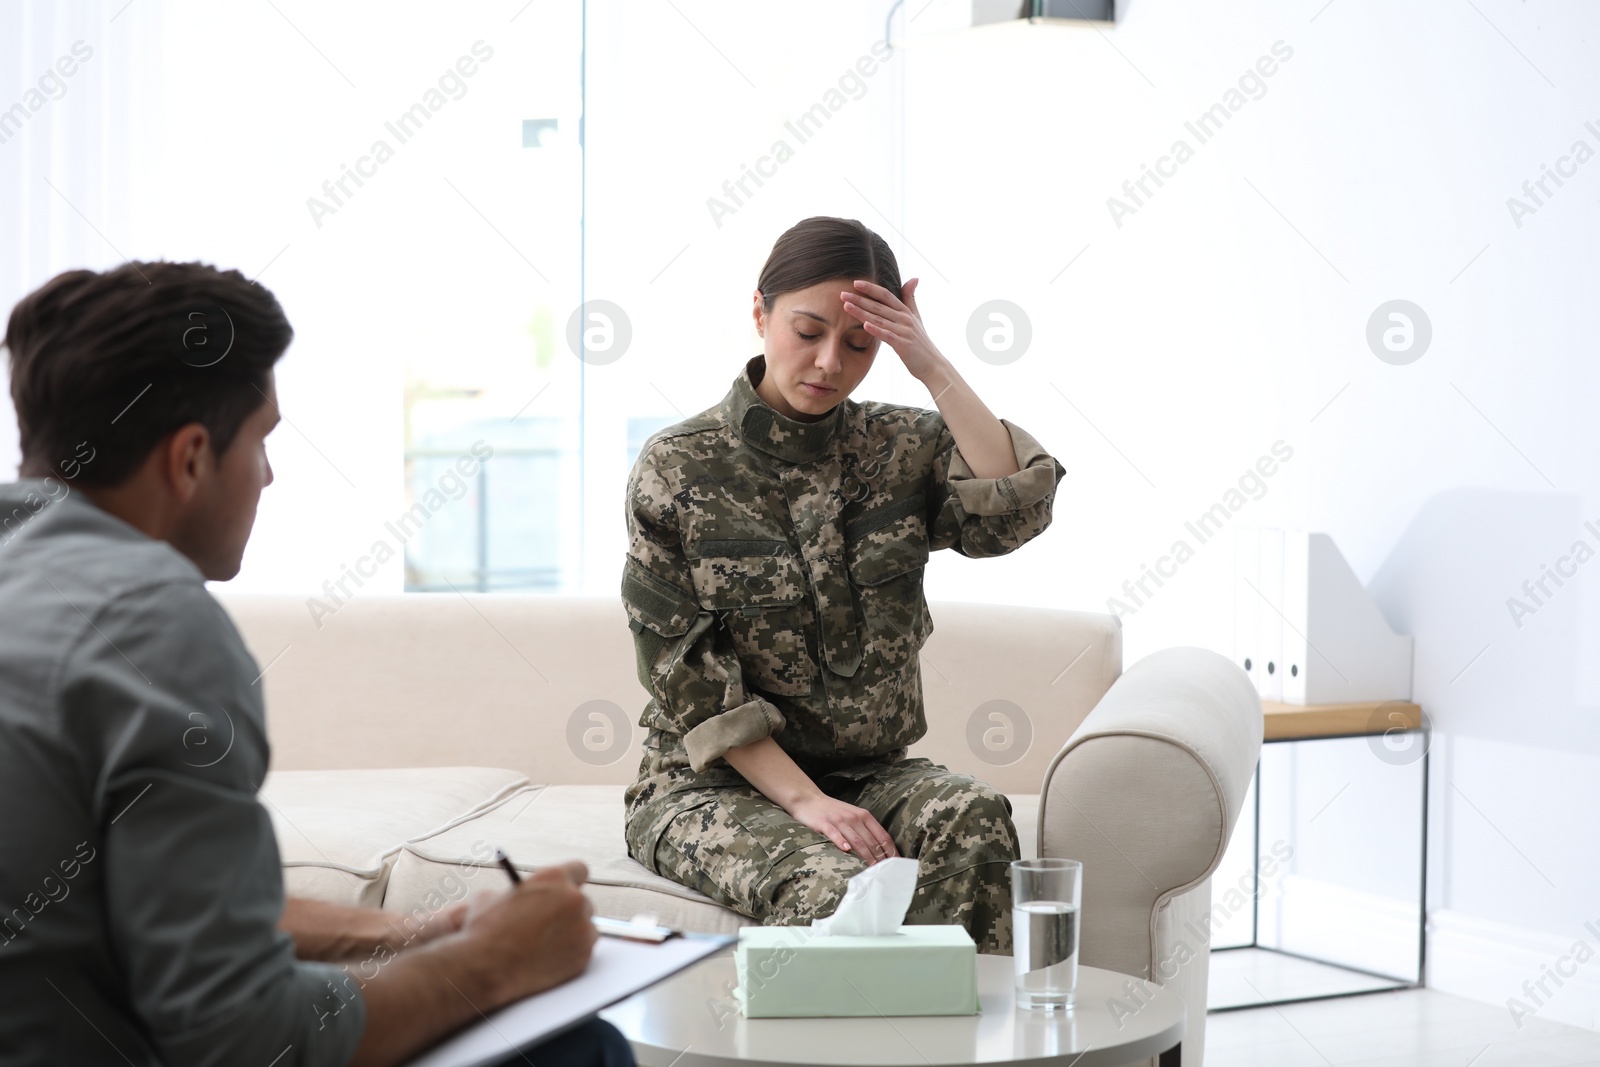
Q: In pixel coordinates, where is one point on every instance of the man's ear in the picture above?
(189, 460)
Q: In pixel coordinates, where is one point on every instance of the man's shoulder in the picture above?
(74, 571)
(111, 633)
(71, 542)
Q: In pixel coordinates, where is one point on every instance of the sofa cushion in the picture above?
(339, 831)
(541, 826)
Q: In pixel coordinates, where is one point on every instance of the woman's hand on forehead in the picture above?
(895, 320)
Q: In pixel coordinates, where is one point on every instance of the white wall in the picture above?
(1231, 311)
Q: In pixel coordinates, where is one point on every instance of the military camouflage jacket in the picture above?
(773, 579)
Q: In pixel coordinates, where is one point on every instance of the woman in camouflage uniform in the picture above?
(773, 582)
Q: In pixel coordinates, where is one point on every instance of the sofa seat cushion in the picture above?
(542, 826)
(340, 831)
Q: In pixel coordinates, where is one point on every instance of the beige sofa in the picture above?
(412, 735)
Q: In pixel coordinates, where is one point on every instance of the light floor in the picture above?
(1404, 1028)
(1245, 977)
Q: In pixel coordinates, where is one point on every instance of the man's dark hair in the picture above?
(120, 359)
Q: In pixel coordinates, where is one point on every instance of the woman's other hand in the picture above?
(774, 772)
(850, 828)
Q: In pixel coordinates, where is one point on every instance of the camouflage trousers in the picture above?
(745, 852)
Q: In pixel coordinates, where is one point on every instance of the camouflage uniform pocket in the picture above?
(658, 613)
(887, 550)
(760, 595)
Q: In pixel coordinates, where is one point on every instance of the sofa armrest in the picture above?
(1146, 793)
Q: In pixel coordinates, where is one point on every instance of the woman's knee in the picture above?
(987, 804)
(808, 884)
(979, 821)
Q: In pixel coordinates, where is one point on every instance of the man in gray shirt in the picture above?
(142, 917)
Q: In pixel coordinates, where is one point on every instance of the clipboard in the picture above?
(619, 968)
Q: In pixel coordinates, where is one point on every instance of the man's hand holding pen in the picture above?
(536, 934)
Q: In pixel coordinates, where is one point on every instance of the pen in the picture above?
(504, 860)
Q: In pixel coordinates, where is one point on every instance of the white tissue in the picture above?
(875, 901)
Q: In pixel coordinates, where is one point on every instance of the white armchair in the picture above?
(1147, 793)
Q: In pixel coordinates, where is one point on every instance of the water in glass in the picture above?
(1045, 948)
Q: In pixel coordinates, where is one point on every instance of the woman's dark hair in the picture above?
(822, 248)
(113, 362)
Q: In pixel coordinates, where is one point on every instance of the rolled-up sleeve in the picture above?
(685, 659)
(160, 690)
(991, 516)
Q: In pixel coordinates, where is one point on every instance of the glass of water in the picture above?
(1045, 897)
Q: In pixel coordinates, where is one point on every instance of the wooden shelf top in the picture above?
(1285, 722)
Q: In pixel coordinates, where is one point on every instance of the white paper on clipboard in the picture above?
(618, 969)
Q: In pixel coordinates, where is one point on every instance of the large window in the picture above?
(514, 239)
(492, 393)
(506, 533)
(656, 222)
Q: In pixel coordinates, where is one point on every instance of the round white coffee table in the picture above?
(692, 1020)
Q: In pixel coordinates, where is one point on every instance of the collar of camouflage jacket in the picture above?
(761, 427)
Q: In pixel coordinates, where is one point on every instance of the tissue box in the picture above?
(919, 970)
